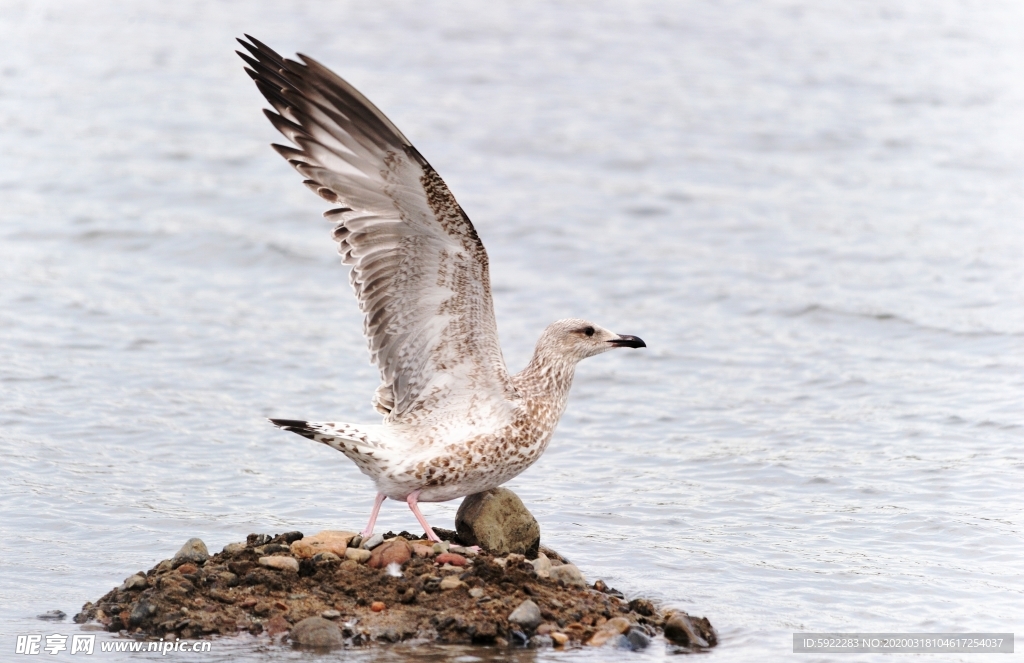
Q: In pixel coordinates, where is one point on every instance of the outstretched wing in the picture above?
(419, 270)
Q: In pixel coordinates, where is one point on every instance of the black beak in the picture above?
(628, 342)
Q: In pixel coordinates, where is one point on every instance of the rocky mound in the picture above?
(333, 590)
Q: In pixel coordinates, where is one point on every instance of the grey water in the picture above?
(813, 212)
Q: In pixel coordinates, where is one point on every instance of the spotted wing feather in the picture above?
(419, 270)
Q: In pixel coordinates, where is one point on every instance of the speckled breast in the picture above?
(486, 461)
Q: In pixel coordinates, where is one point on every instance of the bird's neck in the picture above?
(547, 379)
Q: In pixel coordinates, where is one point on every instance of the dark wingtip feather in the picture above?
(289, 153)
(249, 47)
(248, 60)
(288, 423)
(296, 426)
(266, 50)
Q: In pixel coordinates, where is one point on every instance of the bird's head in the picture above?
(577, 339)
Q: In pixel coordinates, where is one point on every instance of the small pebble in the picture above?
(377, 606)
(609, 630)
(327, 557)
(441, 547)
(373, 542)
(277, 625)
(254, 540)
(142, 610)
(281, 563)
(422, 551)
(326, 541)
(228, 578)
(450, 582)
(542, 566)
(187, 568)
(617, 624)
(193, 551)
(317, 632)
(514, 558)
(637, 639)
(679, 629)
(137, 581)
(541, 641)
(462, 550)
(396, 551)
(356, 541)
(569, 574)
(233, 548)
(451, 558)
(642, 607)
(476, 592)
(357, 555)
(559, 638)
(526, 615)
(55, 615)
(330, 614)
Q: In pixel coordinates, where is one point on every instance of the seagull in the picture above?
(455, 421)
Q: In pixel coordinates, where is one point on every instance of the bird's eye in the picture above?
(589, 331)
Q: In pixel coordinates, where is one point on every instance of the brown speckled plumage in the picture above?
(455, 422)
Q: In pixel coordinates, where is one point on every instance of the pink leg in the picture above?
(373, 516)
(411, 501)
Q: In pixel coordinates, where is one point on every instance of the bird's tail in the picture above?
(358, 443)
(303, 428)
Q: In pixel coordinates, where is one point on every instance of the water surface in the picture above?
(811, 211)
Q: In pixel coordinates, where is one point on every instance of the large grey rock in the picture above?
(527, 615)
(497, 520)
(317, 632)
(193, 551)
